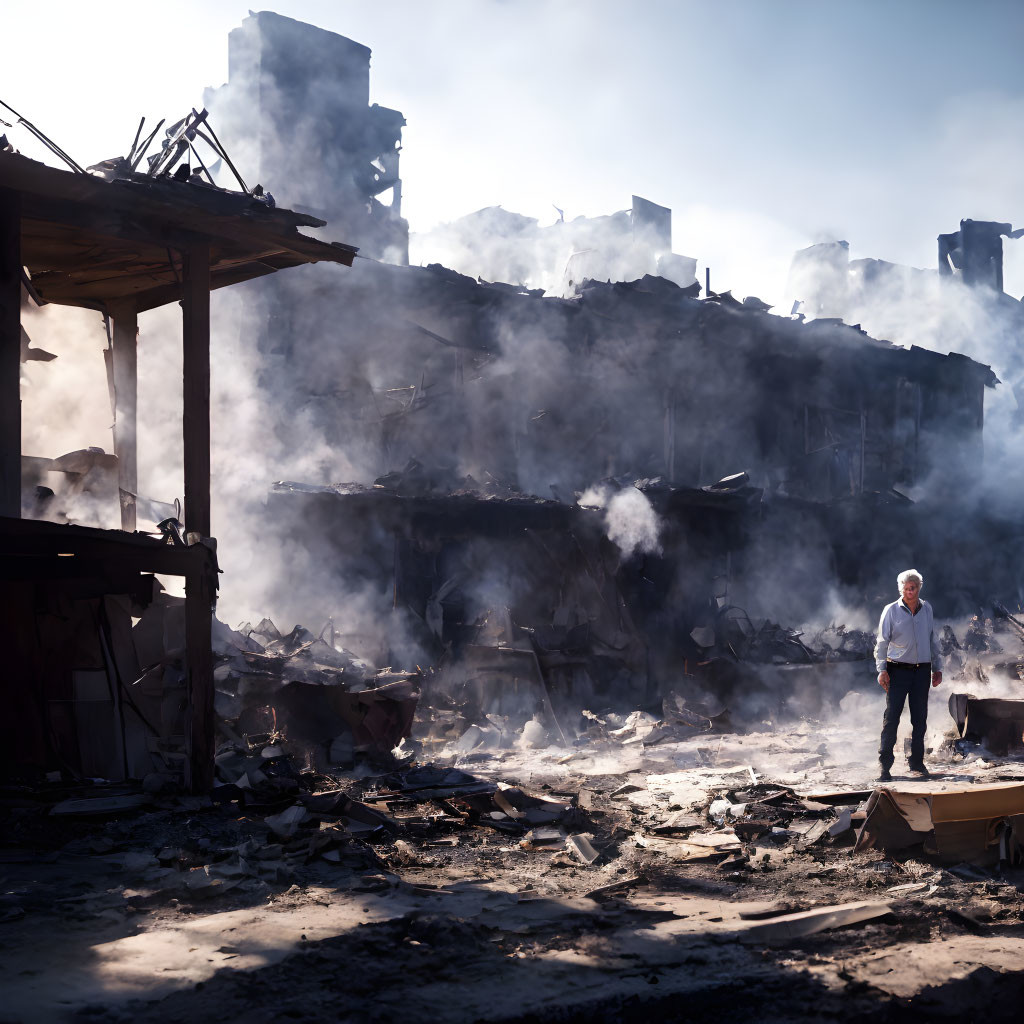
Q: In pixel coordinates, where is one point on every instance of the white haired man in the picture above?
(907, 658)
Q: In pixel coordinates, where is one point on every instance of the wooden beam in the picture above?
(199, 724)
(199, 588)
(196, 393)
(126, 400)
(33, 549)
(10, 354)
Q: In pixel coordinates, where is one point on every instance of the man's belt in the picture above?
(908, 664)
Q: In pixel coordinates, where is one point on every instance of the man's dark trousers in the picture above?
(912, 682)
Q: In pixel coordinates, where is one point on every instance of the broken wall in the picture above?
(494, 244)
(398, 363)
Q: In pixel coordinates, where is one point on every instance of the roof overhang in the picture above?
(87, 241)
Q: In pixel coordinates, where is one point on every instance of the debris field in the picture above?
(652, 863)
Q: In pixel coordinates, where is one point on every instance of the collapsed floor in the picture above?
(654, 868)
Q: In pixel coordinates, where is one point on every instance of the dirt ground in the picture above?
(187, 909)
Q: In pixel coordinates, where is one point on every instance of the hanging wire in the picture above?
(49, 143)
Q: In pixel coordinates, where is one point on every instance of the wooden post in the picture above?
(126, 400)
(10, 354)
(196, 393)
(199, 735)
(198, 587)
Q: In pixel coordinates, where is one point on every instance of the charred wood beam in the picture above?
(196, 387)
(34, 549)
(199, 588)
(235, 273)
(126, 397)
(10, 353)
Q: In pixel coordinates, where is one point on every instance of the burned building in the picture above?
(462, 417)
(664, 385)
(424, 383)
(909, 304)
(693, 454)
(581, 527)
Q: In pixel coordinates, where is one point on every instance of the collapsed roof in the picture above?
(91, 242)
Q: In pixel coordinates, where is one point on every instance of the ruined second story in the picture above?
(627, 380)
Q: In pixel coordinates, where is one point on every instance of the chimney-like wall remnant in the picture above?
(819, 278)
(296, 111)
(976, 252)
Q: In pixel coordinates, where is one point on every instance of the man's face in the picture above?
(910, 590)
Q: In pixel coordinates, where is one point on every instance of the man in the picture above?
(907, 658)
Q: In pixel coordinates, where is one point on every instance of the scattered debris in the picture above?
(977, 824)
(996, 723)
(788, 927)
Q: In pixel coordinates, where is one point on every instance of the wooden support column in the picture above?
(196, 393)
(198, 586)
(199, 725)
(10, 354)
(126, 401)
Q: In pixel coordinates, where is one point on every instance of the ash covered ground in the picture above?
(647, 869)
(610, 793)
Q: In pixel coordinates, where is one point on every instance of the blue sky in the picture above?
(765, 124)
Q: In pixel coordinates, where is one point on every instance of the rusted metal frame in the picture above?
(10, 354)
(199, 588)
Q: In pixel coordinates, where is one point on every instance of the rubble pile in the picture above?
(596, 783)
(298, 694)
(498, 855)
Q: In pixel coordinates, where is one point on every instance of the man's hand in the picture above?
(936, 678)
(883, 680)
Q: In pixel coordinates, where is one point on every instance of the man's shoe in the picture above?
(884, 775)
(919, 769)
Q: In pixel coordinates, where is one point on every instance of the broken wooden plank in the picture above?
(809, 922)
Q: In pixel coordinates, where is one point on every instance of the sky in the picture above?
(766, 125)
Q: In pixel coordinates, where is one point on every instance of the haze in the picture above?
(765, 126)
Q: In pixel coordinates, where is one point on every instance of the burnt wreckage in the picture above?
(771, 455)
(85, 691)
(559, 501)
(665, 388)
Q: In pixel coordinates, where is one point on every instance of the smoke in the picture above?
(494, 244)
(322, 375)
(913, 307)
(65, 403)
(630, 520)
